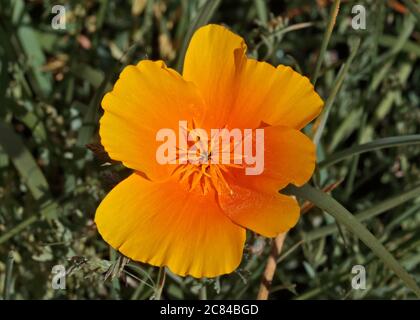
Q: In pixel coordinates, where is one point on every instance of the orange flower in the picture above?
(193, 220)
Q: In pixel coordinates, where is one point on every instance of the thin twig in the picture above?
(270, 268)
(276, 249)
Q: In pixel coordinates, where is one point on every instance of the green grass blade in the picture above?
(49, 209)
(343, 216)
(102, 85)
(367, 214)
(91, 117)
(204, 15)
(262, 12)
(370, 146)
(326, 39)
(17, 229)
(407, 29)
(409, 46)
(338, 82)
(12, 145)
(31, 49)
(115, 287)
(160, 283)
(414, 8)
(23, 161)
(88, 73)
(8, 277)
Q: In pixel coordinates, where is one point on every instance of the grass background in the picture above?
(52, 175)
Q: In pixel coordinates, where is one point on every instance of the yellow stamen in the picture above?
(201, 173)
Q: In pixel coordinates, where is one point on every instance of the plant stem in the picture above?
(8, 278)
(160, 283)
(326, 39)
(270, 268)
(203, 292)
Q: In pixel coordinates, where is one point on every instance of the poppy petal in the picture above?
(213, 61)
(289, 157)
(163, 224)
(145, 99)
(276, 96)
(265, 214)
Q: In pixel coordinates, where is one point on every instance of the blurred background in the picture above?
(54, 172)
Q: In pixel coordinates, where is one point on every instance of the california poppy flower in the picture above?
(194, 220)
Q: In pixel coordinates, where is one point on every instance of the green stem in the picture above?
(203, 292)
(160, 283)
(370, 146)
(414, 8)
(21, 226)
(204, 15)
(8, 278)
(338, 82)
(326, 39)
(344, 217)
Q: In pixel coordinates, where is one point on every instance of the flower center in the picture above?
(204, 165)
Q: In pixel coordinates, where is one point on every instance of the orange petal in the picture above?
(265, 214)
(292, 101)
(277, 96)
(145, 99)
(212, 61)
(289, 157)
(162, 224)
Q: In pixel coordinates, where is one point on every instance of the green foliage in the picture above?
(51, 85)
